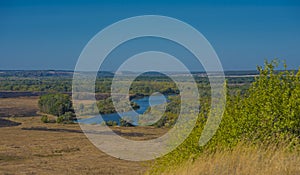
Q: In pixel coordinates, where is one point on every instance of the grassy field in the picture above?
(243, 160)
(19, 106)
(33, 147)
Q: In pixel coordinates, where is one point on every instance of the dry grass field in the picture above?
(33, 147)
(19, 106)
(243, 160)
(37, 148)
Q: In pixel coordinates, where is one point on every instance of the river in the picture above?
(132, 115)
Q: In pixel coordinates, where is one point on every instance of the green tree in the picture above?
(57, 104)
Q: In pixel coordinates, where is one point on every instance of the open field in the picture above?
(19, 106)
(28, 146)
(37, 148)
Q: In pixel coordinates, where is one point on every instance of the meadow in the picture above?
(34, 147)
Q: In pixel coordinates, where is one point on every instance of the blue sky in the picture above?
(51, 34)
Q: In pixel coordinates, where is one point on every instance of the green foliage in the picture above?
(149, 87)
(45, 119)
(134, 105)
(36, 84)
(269, 111)
(111, 123)
(60, 119)
(61, 82)
(55, 104)
(66, 118)
(167, 120)
(125, 122)
(106, 106)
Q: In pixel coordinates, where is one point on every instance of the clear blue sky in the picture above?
(50, 34)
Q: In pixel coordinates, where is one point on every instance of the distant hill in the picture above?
(45, 73)
(68, 73)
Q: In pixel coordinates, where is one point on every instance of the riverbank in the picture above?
(132, 116)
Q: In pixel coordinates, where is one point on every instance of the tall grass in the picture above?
(243, 160)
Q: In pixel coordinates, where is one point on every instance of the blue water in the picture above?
(133, 116)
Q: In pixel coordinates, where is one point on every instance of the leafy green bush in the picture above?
(68, 117)
(45, 119)
(126, 122)
(111, 123)
(60, 119)
(268, 112)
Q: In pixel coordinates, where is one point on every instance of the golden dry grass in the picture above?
(243, 160)
(20, 106)
(37, 148)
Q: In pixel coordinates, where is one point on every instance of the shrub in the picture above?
(126, 123)
(45, 119)
(111, 123)
(68, 117)
(60, 119)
